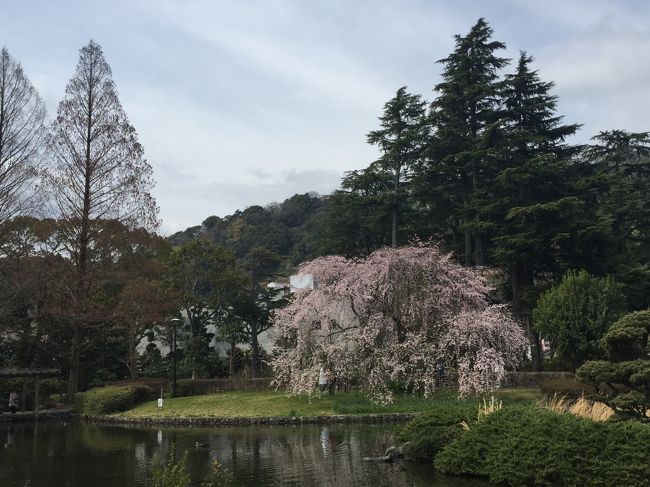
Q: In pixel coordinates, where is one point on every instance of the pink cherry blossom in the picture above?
(395, 318)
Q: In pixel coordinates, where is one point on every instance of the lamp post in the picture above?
(175, 322)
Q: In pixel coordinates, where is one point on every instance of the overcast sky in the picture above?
(242, 103)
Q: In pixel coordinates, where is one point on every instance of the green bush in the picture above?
(524, 446)
(111, 399)
(169, 472)
(429, 432)
(574, 314)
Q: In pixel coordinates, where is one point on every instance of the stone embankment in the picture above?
(243, 421)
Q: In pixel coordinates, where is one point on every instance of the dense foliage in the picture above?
(111, 399)
(525, 446)
(431, 431)
(576, 313)
(623, 382)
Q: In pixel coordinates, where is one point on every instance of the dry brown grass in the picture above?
(583, 407)
(488, 407)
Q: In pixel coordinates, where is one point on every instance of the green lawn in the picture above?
(272, 403)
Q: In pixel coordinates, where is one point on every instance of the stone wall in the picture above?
(270, 420)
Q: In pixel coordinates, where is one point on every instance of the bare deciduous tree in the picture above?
(22, 118)
(98, 173)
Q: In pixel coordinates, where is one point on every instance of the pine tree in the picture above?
(400, 139)
(463, 116)
(620, 161)
(532, 207)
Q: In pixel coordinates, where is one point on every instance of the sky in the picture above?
(249, 102)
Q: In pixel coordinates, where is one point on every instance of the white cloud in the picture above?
(245, 103)
(601, 76)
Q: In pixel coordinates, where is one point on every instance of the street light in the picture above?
(175, 322)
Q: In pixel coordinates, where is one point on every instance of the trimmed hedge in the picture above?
(428, 433)
(523, 446)
(111, 399)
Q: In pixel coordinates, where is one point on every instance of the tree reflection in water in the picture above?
(75, 454)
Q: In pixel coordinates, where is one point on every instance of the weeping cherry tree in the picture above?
(395, 317)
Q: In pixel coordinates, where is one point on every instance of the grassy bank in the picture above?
(272, 403)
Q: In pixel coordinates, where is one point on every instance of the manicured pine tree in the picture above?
(463, 116)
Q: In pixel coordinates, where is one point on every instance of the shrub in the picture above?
(566, 388)
(169, 472)
(111, 399)
(623, 382)
(429, 432)
(574, 315)
(524, 446)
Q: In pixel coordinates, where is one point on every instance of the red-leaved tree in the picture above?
(397, 316)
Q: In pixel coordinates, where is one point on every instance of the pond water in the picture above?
(80, 454)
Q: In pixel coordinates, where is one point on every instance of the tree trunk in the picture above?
(73, 375)
(535, 345)
(394, 227)
(231, 371)
(395, 212)
(73, 378)
(133, 356)
(255, 351)
(468, 234)
(479, 257)
(519, 278)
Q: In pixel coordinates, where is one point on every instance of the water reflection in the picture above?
(78, 454)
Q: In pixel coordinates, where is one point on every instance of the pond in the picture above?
(80, 454)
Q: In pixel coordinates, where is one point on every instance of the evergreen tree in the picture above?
(400, 140)
(620, 161)
(357, 218)
(463, 116)
(531, 208)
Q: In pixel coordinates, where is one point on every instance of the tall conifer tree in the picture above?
(98, 173)
(463, 115)
(400, 139)
(532, 208)
(621, 164)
